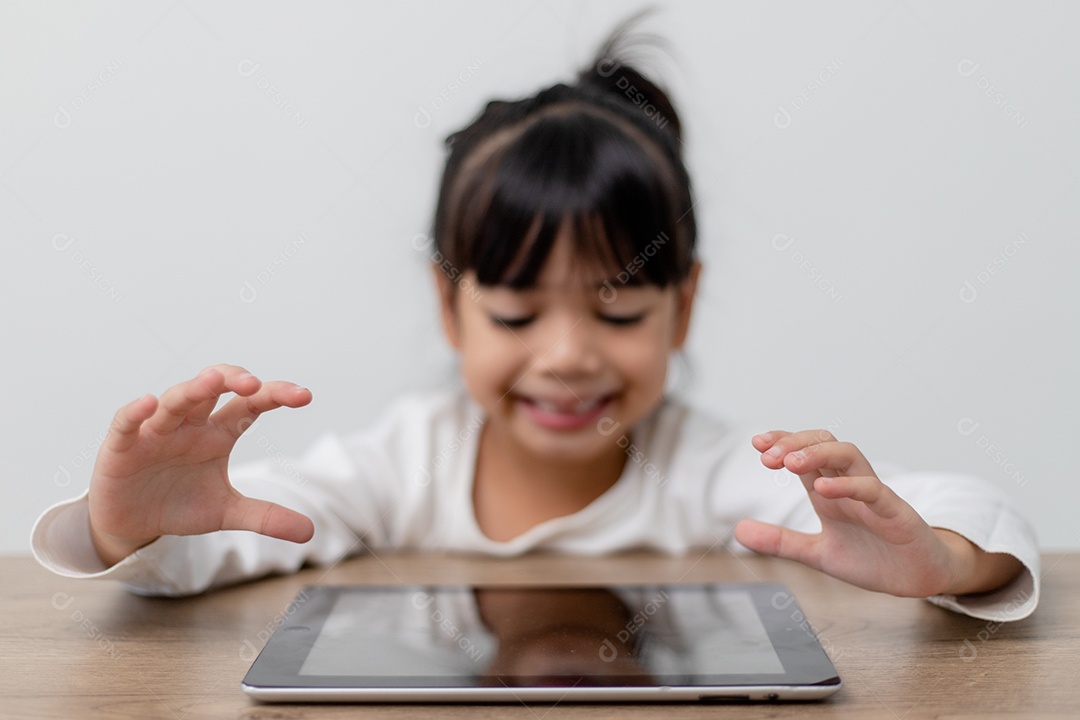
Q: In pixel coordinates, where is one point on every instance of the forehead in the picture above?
(566, 268)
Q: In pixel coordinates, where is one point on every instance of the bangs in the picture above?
(577, 167)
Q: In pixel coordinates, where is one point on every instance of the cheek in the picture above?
(488, 356)
(643, 357)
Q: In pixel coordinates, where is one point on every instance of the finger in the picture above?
(267, 518)
(124, 429)
(240, 413)
(870, 491)
(784, 443)
(179, 400)
(778, 541)
(827, 458)
(764, 441)
(237, 380)
(193, 396)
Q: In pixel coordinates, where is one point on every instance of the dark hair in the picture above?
(603, 154)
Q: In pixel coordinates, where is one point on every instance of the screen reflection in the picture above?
(521, 636)
(561, 637)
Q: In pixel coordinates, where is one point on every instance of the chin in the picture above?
(568, 450)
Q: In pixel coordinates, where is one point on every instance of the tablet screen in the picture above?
(543, 633)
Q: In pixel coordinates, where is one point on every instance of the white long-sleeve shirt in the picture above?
(407, 483)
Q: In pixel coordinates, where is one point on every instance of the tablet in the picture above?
(716, 642)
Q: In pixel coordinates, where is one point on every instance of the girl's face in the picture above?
(567, 367)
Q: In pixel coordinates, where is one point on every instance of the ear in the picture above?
(684, 303)
(446, 291)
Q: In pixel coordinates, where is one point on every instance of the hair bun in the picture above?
(611, 72)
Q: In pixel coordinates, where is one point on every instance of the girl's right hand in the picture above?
(163, 468)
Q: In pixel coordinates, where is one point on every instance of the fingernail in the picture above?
(767, 437)
(797, 455)
(774, 451)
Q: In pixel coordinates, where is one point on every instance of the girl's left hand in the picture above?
(869, 536)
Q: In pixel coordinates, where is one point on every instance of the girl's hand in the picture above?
(163, 468)
(869, 536)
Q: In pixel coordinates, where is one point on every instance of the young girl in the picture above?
(564, 258)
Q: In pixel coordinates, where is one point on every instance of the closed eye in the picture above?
(622, 319)
(512, 322)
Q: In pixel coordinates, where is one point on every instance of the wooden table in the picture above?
(89, 649)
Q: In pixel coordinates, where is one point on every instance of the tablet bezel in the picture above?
(275, 673)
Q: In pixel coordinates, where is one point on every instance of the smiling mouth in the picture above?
(579, 408)
(557, 415)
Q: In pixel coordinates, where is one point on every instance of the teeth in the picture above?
(580, 409)
(588, 406)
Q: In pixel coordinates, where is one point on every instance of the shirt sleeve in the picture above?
(981, 512)
(326, 485)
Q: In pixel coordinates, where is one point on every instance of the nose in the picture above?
(572, 347)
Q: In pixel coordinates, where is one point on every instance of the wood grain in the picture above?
(90, 649)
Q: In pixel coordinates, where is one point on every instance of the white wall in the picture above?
(857, 181)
